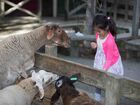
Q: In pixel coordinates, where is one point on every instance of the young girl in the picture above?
(107, 56)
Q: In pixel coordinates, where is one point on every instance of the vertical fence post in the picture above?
(66, 16)
(115, 9)
(54, 8)
(135, 22)
(105, 7)
(51, 50)
(2, 8)
(90, 12)
(40, 10)
(112, 92)
(126, 10)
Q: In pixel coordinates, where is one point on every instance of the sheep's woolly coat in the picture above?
(20, 94)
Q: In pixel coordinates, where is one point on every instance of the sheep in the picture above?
(43, 77)
(17, 51)
(24, 92)
(70, 96)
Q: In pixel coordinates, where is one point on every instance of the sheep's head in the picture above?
(56, 34)
(62, 82)
(41, 78)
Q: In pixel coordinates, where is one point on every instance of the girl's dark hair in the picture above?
(105, 23)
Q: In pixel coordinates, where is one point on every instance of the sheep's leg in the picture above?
(41, 90)
(28, 64)
(41, 93)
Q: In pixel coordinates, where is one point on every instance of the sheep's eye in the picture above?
(34, 83)
(59, 83)
(59, 31)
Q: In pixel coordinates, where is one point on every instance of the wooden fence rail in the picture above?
(114, 86)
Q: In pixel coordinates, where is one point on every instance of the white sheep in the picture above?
(24, 92)
(43, 77)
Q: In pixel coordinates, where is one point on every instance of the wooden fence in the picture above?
(18, 6)
(114, 86)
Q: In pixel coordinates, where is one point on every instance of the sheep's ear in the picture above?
(75, 77)
(55, 97)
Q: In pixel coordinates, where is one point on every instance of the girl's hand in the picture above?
(93, 45)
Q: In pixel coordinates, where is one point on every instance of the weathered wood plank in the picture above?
(130, 89)
(133, 45)
(112, 91)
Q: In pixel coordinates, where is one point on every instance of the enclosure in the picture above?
(69, 14)
(114, 86)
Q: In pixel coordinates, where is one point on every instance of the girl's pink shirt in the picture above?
(110, 50)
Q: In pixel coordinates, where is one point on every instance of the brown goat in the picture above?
(70, 96)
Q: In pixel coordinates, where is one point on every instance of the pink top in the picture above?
(110, 50)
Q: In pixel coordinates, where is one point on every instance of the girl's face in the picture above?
(102, 33)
